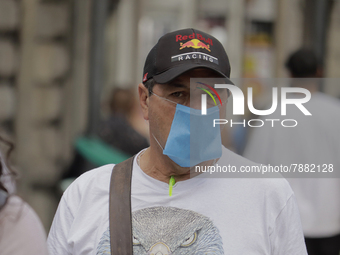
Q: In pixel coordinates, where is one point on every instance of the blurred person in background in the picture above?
(315, 139)
(21, 231)
(121, 135)
(125, 128)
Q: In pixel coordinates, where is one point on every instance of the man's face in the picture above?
(160, 112)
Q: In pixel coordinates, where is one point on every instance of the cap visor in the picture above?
(174, 72)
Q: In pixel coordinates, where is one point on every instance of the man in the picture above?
(313, 142)
(195, 215)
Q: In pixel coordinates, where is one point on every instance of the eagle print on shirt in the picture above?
(169, 230)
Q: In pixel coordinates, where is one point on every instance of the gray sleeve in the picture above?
(57, 240)
(21, 230)
(287, 236)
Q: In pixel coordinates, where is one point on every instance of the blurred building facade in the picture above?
(46, 61)
(43, 90)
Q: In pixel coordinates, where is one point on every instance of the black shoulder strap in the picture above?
(120, 209)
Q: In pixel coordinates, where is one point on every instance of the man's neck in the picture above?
(161, 167)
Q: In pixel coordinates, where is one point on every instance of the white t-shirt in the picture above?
(314, 140)
(203, 216)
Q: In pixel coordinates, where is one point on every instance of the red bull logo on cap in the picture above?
(196, 41)
(196, 44)
(194, 36)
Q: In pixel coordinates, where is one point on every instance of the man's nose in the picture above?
(195, 102)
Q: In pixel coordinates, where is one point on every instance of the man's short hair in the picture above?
(302, 64)
(149, 84)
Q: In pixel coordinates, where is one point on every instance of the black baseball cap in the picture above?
(184, 50)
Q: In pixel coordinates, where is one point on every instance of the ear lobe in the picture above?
(144, 100)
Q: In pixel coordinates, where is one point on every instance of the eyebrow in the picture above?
(176, 84)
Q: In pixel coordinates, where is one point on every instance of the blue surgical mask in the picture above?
(193, 139)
